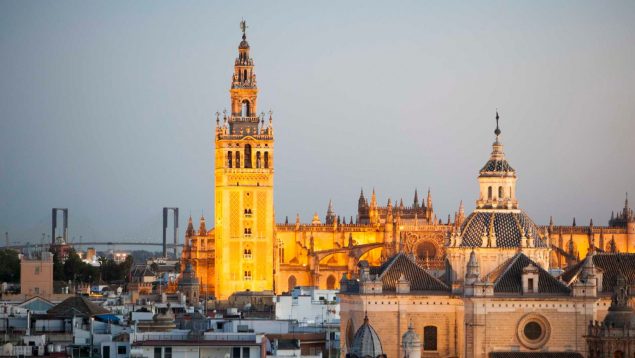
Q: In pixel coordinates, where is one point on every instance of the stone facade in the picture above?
(497, 296)
(246, 250)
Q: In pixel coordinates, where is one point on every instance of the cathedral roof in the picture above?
(507, 278)
(611, 265)
(401, 264)
(366, 342)
(508, 226)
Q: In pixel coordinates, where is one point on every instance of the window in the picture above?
(229, 160)
(530, 285)
(532, 331)
(247, 254)
(167, 352)
(247, 276)
(266, 160)
(258, 160)
(122, 350)
(237, 159)
(330, 282)
(248, 156)
(37, 290)
(500, 192)
(245, 352)
(245, 108)
(236, 352)
(489, 192)
(429, 338)
(281, 246)
(291, 283)
(157, 352)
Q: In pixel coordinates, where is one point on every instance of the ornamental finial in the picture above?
(243, 28)
(497, 131)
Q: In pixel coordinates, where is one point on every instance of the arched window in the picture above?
(237, 159)
(281, 248)
(248, 156)
(245, 75)
(511, 192)
(500, 192)
(330, 282)
(229, 160)
(429, 338)
(292, 282)
(266, 160)
(489, 192)
(245, 110)
(257, 159)
(426, 250)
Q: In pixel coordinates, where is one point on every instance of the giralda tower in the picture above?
(244, 215)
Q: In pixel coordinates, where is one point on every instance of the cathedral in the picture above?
(245, 249)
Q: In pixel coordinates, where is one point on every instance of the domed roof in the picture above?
(410, 339)
(620, 314)
(366, 342)
(508, 226)
(497, 166)
(188, 278)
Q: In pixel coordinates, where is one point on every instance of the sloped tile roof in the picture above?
(77, 306)
(507, 278)
(611, 264)
(420, 280)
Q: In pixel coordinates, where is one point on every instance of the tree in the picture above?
(58, 269)
(9, 266)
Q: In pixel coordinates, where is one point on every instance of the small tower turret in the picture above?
(411, 343)
(497, 179)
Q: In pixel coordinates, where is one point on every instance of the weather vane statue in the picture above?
(243, 26)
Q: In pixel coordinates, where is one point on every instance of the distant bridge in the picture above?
(95, 243)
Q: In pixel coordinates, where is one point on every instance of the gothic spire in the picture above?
(190, 228)
(415, 203)
(202, 230)
(429, 199)
(330, 213)
(373, 200)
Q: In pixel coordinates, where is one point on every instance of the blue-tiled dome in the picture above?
(508, 226)
(497, 166)
(366, 342)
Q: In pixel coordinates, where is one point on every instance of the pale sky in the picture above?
(107, 108)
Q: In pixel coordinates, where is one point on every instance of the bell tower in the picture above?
(244, 216)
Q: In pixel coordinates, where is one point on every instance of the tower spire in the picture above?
(497, 131)
(415, 203)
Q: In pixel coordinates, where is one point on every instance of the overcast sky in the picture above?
(107, 108)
